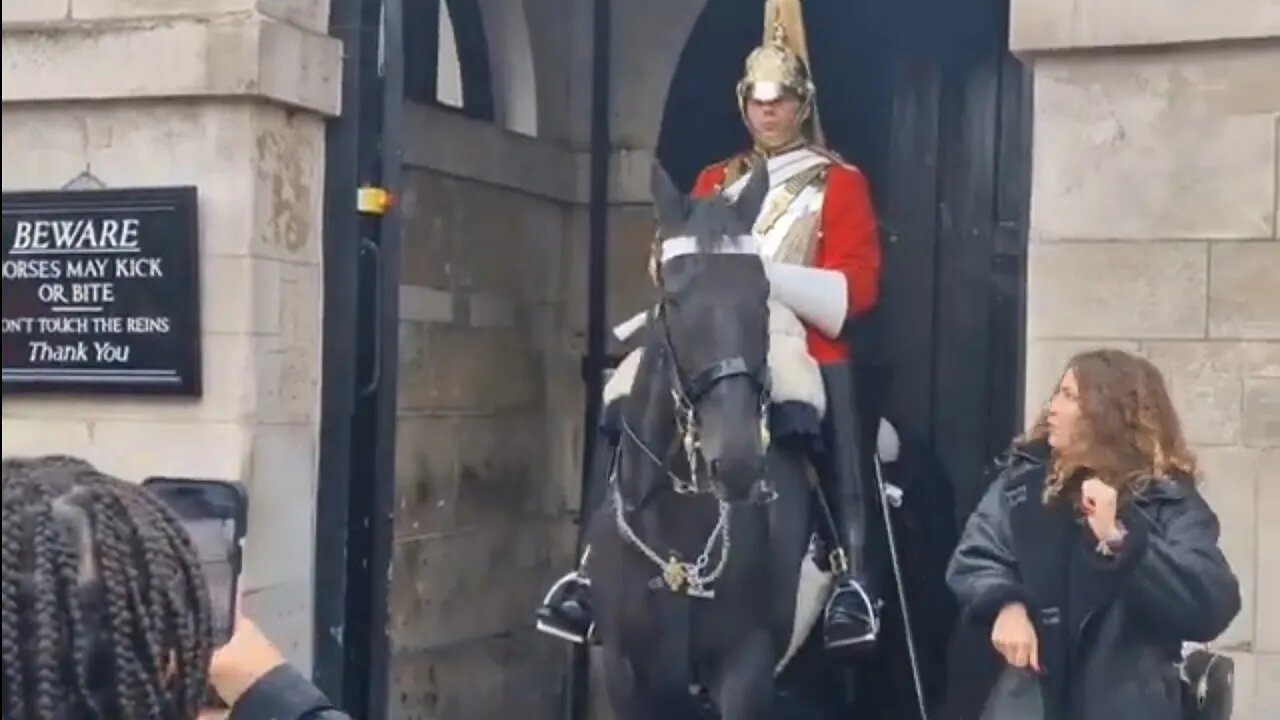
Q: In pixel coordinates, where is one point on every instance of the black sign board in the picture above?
(101, 292)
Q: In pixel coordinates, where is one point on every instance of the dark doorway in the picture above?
(925, 98)
(928, 102)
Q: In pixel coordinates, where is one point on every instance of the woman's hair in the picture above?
(1128, 434)
(106, 614)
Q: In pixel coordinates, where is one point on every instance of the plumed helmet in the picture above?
(781, 62)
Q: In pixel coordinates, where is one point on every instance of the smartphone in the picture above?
(215, 514)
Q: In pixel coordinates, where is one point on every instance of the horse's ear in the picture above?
(751, 199)
(671, 205)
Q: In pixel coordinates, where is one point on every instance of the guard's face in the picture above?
(775, 122)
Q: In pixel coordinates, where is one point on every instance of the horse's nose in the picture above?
(736, 470)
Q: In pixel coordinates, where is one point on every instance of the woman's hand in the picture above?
(240, 663)
(1014, 637)
(1099, 501)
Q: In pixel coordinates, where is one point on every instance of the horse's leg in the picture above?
(628, 697)
(619, 680)
(744, 689)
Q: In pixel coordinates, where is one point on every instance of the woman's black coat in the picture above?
(1110, 630)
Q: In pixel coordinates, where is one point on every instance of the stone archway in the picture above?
(475, 56)
(515, 85)
(934, 112)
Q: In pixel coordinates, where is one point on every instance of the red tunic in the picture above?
(848, 241)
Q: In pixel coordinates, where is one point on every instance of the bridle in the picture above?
(691, 578)
(686, 392)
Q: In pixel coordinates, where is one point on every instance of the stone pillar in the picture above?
(1154, 228)
(229, 96)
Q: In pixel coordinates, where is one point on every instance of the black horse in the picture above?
(698, 548)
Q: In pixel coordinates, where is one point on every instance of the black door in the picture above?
(924, 97)
(955, 197)
(927, 101)
(356, 453)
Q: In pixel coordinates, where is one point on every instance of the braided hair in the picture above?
(106, 613)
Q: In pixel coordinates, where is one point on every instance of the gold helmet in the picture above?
(781, 62)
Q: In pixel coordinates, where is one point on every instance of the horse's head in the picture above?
(714, 315)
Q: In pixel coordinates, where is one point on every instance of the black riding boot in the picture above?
(852, 618)
(566, 612)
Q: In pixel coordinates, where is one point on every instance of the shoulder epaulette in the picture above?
(835, 158)
(734, 168)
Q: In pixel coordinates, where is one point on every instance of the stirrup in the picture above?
(545, 627)
(873, 619)
(575, 577)
(567, 578)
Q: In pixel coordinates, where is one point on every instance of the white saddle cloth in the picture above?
(815, 583)
(793, 372)
(795, 377)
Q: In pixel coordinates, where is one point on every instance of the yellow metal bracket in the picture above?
(372, 200)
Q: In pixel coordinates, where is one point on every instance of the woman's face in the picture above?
(1064, 413)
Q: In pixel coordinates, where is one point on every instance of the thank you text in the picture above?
(101, 291)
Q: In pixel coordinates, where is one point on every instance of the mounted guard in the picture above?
(817, 234)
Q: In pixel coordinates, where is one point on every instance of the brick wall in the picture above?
(1154, 229)
(129, 92)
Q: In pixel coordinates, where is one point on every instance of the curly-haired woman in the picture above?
(1092, 558)
(106, 613)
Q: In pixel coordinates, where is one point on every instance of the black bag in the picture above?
(1208, 686)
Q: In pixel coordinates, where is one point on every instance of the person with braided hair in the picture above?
(106, 613)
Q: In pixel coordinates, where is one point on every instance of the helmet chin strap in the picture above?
(768, 151)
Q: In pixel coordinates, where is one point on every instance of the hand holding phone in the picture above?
(240, 663)
(215, 514)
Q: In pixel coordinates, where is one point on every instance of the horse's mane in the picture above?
(714, 223)
(715, 244)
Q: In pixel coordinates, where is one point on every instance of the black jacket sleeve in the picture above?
(284, 694)
(1175, 572)
(983, 572)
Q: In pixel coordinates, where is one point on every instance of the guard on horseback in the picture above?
(817, 232)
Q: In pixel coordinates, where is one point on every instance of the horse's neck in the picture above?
(649, 405)
(650, 412)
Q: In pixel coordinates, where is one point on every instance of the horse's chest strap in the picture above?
(693, 579)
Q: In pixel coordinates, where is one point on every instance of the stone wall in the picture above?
(1154, 228)
(480, 517)
(493, 317)
(229, 96)
(490, 410)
